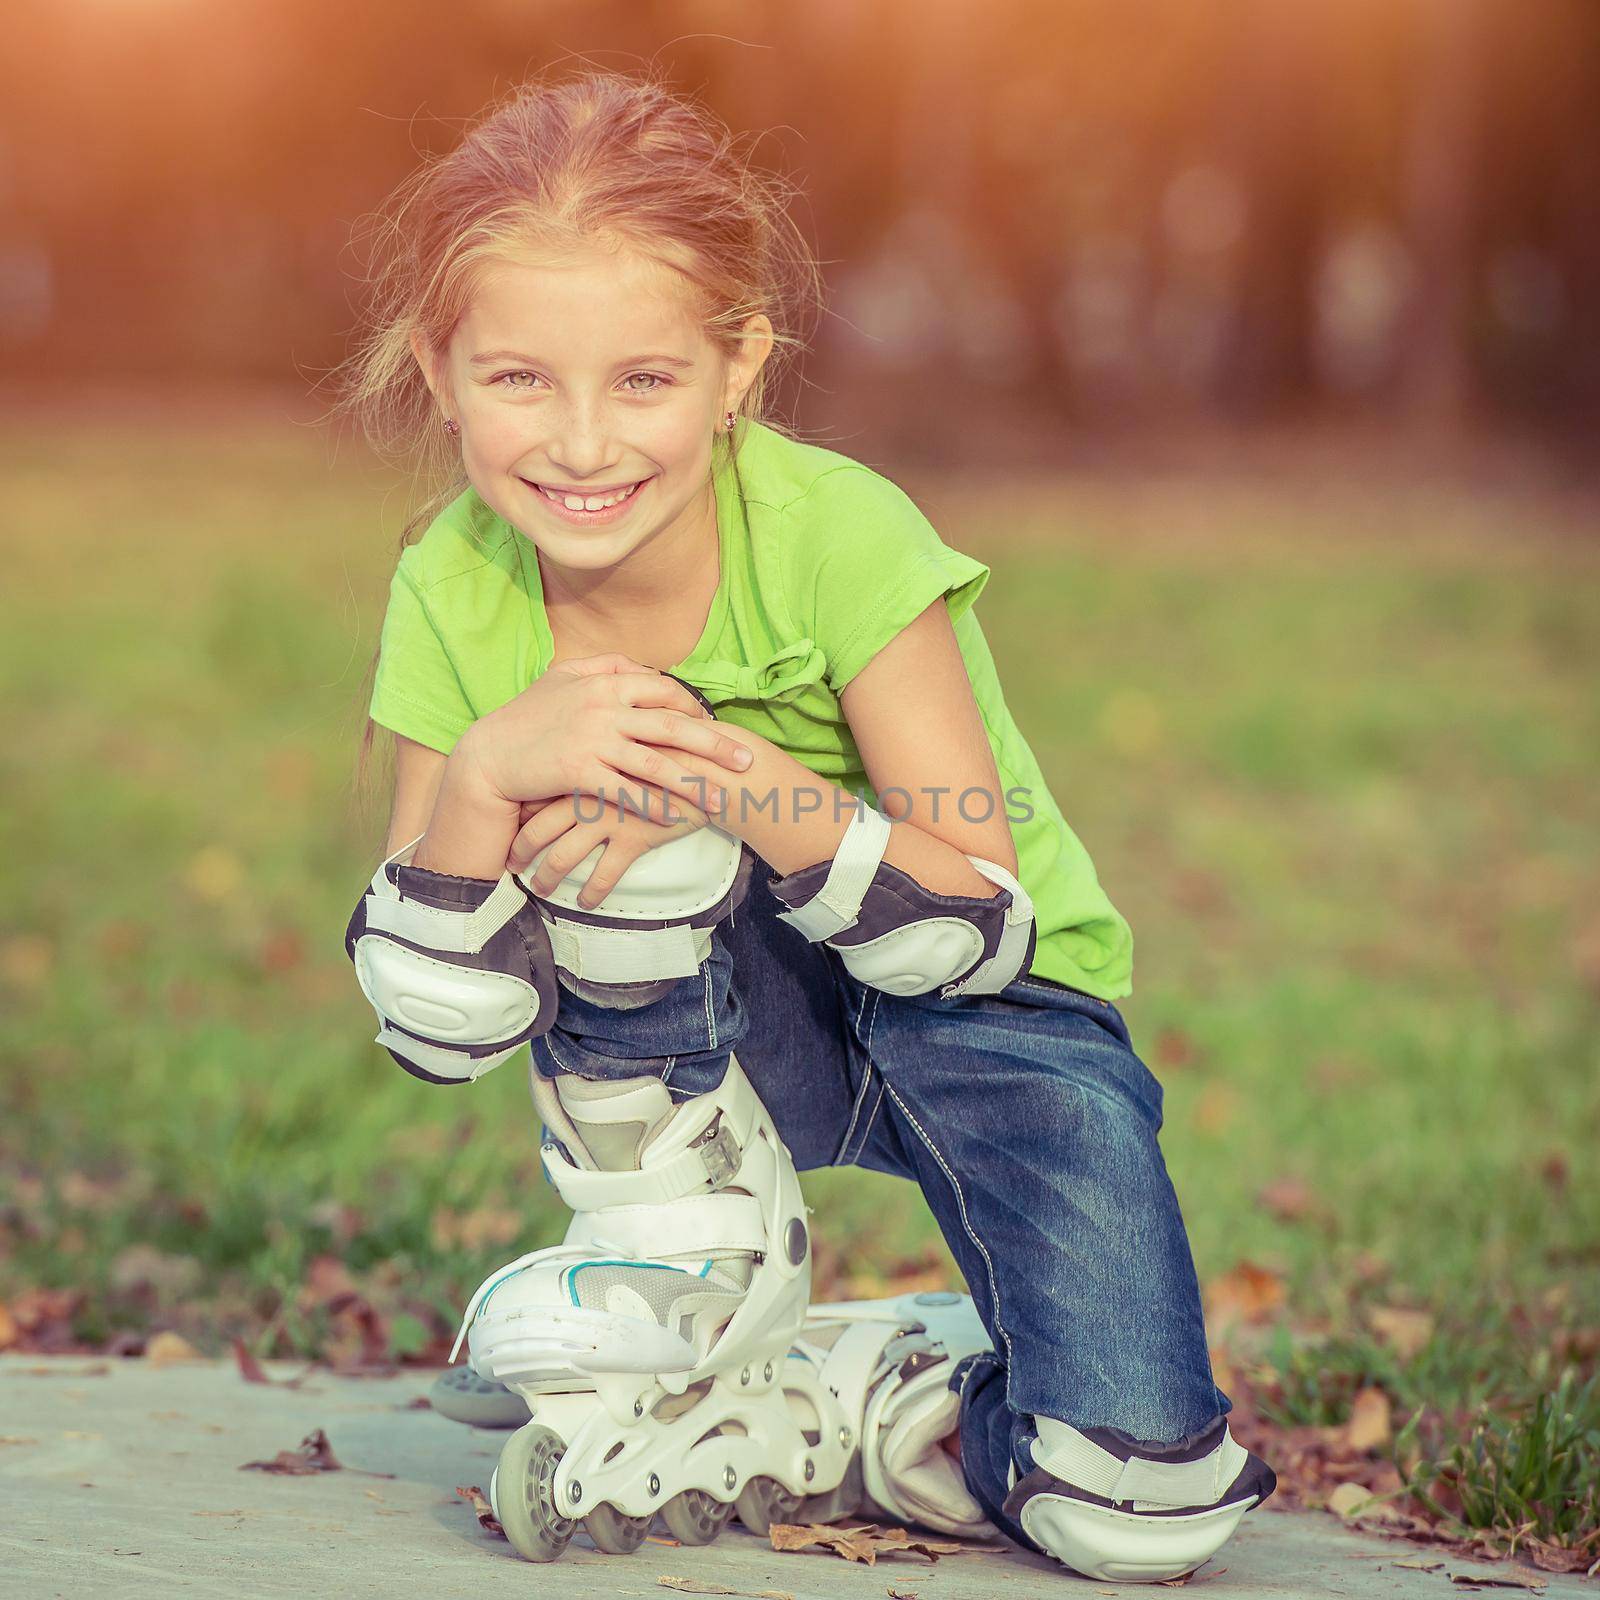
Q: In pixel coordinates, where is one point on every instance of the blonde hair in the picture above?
(557, 167)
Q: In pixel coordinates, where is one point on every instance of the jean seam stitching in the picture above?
(871, 1122)
(710, 1010)
(841, 1158)
(966, 1223)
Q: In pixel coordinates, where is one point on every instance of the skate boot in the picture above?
(650, 1346)
(888, 1364)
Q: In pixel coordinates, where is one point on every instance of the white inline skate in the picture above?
(651, 1345)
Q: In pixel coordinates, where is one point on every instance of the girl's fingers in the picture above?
(650, 688)
(611, 866)
(700, 737)
(662, 775)
(537, 832)
(566, 854)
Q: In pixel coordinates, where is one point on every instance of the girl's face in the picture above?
(584, 383)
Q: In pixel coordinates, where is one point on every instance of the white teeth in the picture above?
(575, 502)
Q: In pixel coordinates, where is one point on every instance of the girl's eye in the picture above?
(656, 381)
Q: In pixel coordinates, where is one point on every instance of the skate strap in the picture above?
(697, 1170)
(437, 927)
(625, 954)
(699, 1224)
(849, 1367)
(1086, 1465)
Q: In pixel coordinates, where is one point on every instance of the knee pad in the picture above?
(458, 970)
(1113, 1507)
(897, 936)
(655, 925)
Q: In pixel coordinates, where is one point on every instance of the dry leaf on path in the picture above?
(866, 1543)
(252, 1371)
(314, 1455)
(1516, 1580)
(1420, 1566)
(164, 1348)
(1191, 1577)
(474, 1496)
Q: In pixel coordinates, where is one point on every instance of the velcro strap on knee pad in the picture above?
(458, 970)
(1191, 1474)
(896, 935)
(657, 920)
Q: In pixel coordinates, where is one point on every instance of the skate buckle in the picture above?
(720, 1152)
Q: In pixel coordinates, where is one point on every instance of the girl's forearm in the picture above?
(792, 818)
(471, 829)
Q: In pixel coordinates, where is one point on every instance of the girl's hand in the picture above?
(627, 837)
(594, 727)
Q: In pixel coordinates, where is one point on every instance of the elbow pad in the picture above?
(459, 970)
(897, 936)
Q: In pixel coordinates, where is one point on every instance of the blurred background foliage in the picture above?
(1079, 208)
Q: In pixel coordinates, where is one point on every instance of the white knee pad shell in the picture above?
(1115, 1508)
(655, 925)
(458, 969)
(897, 936)
(462, 973)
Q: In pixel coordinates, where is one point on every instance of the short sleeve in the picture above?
(417, 691)
(862, 562)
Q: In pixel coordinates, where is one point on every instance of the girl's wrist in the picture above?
(472, 826)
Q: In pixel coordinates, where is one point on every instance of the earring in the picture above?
(451, 426)
(729, 421)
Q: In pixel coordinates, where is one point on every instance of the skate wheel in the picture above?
(695, 1517)
(525, 1493)
(764, 1501)
(614, 1532)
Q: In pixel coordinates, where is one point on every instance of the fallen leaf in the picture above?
(1249, 1293)
(1404, 1331)
(866, 1543)
(1420, 1565)
(1288, 1199)
(164, 1348)
(1348, 1498)
(1515, 1580)
(474, 1496)
(911, 1594)
(314, 1455)
(1368, 1426)
(252, 1371)
(16, 1438)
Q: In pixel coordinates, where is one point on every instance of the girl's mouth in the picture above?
(575, 509)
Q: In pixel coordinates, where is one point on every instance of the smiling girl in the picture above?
(713, 799)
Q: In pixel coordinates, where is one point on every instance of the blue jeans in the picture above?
(1030, 1126)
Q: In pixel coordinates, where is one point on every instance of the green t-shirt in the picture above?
(824, 561)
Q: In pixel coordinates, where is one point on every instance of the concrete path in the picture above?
(119, 1478)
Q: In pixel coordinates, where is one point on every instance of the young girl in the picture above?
(641, 607)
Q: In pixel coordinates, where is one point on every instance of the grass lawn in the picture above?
(1334, 747)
